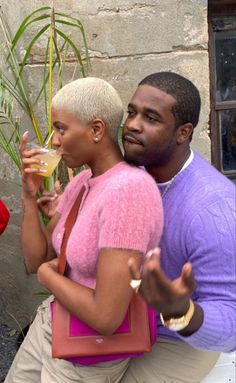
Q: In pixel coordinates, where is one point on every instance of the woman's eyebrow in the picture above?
(130, 105)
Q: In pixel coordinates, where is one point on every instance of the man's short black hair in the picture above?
(188, 101)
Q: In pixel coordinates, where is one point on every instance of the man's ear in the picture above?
(184, 132)
(98, 129)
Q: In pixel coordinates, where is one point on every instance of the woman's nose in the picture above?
(55, 140)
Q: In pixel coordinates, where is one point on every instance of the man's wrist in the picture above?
(195, 322)
(177, 310)
(179, 322)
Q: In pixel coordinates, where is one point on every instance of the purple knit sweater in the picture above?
(200, 227)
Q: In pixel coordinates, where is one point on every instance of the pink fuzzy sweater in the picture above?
(121, 208)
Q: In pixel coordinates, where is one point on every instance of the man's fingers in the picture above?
(133, 269)
(188, 276)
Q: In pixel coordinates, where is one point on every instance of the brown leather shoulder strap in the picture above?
(71, 218)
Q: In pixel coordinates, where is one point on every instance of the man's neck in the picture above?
(164, 173)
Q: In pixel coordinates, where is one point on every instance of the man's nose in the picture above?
(133, 124)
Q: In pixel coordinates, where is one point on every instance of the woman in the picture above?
(117, 220)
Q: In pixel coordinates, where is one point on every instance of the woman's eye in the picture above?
(130, 113)
(61, 131)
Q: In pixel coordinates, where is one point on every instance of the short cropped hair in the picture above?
(188, 101)
(90, 98)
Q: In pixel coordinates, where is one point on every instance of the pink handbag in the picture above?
(76, 342)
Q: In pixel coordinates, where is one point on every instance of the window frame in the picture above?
(217, 8)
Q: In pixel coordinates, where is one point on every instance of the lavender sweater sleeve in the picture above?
(201, 228)
(211, 243)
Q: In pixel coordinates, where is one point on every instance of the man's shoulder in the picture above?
(204, 178)
(197, 189)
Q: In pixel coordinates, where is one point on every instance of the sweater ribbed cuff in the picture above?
(214, 333)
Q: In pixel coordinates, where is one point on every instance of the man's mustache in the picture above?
(132, 138)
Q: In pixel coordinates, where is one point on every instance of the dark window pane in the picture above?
(223, 23)
(225, 47)
(227, 123)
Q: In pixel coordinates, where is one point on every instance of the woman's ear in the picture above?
(184, 132)
(98, 129)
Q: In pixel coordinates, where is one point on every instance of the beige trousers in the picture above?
(169, 362)
(33, 362)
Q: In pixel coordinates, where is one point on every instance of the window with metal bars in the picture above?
(222, 54)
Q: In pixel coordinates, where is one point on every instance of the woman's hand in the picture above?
(45, 271)
(31, 181)
(48, 201)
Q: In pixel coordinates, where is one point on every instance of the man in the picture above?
(197, 313)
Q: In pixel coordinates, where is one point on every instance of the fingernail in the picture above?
(149, 254)
(25, 133)
(43, 170)
(130, 262)
(43, 163)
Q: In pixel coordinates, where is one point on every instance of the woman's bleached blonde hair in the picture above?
(89, 98)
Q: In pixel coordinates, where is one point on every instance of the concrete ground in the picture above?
(8, 347)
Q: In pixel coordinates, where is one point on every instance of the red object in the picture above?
(4, 217)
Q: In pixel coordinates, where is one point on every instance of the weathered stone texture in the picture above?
(127, 40)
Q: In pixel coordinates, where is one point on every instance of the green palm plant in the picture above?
(53, 28)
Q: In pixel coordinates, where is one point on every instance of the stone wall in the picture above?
(127, 40)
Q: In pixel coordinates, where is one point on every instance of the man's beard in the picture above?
(132, 160)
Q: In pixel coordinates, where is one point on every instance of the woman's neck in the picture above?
(106, 160)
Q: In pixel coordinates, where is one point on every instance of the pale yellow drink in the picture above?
(51, 158)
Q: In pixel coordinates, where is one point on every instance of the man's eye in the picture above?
(151, 118)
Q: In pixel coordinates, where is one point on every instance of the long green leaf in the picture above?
(21, 32)
(79, 25)
(24, 24)
(77, 52)
(62, 67)
(15, 69)
(45, 77)
(68, 17)
(30, 46)
(10, 87)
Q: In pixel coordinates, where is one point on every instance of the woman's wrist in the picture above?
(27, 196)
(45, 274)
